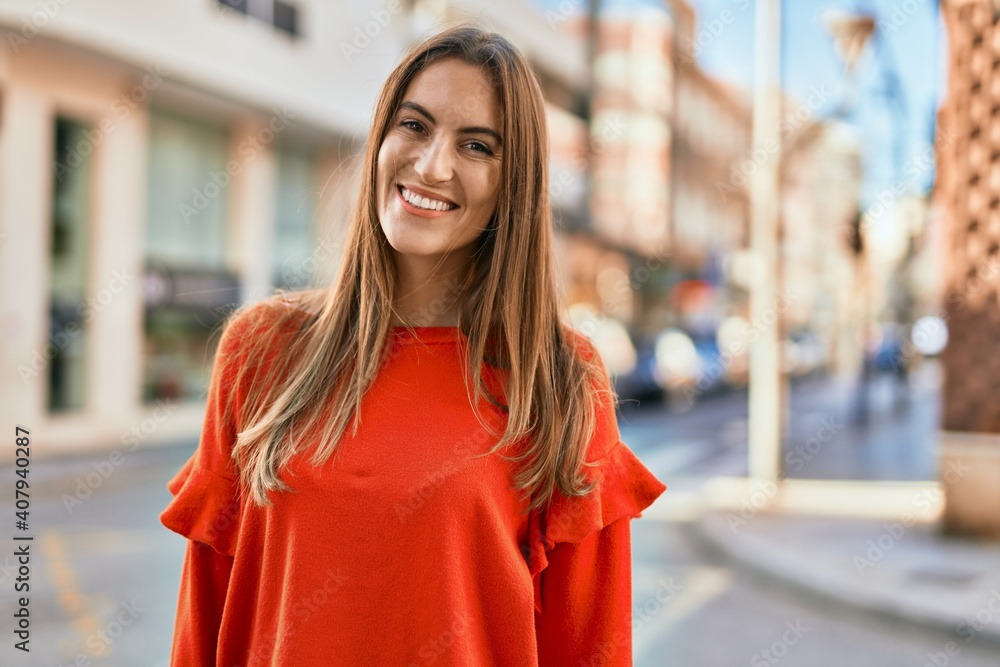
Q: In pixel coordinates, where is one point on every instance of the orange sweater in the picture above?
(403, 550)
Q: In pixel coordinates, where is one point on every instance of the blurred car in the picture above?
(677, 360)
(641, 383)
(628, 362)
(674, 367)
(712, 368)
(671, 366)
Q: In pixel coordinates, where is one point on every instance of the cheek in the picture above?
(388, 157)
(487, 188)
(379, 171)
(381, 164)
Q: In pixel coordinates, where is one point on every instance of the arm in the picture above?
(207, 507)
(204, 581)
(587, 608)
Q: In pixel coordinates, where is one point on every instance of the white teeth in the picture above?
(424, 202)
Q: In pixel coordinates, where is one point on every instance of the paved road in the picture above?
(821, 440)
(104, 576)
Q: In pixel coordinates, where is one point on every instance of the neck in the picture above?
(429, 294)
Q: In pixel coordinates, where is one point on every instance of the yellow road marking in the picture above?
(72, 601)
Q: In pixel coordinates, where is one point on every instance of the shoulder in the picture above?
(604, 398)
(256, 328)
(276, 307)
(581, 344)
(589, 356)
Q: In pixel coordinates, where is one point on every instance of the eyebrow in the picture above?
(465, 130)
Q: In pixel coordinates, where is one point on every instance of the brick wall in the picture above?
(968, 188)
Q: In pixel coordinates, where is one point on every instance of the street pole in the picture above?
(765, 423)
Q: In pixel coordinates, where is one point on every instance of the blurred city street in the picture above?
(692, 604)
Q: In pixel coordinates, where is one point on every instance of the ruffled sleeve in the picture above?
(624, 488)
(206, 506)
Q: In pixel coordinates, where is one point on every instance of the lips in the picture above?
(425, 200)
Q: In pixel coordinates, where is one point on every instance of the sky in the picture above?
(911, 44)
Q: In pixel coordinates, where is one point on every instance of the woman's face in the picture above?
(438, 168)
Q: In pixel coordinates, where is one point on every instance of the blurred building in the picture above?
(625, 160)
(664, 139)
(630, 131)
(967, 189)
(161, 163)
(710, 158)
(671, 160)
(820, 190)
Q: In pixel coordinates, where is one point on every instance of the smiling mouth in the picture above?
(424, 203)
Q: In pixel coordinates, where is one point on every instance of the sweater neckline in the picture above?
(433, 334)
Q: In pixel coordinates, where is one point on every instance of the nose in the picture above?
(434, 161)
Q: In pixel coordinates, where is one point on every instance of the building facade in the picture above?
(663, 136)
(967, 190)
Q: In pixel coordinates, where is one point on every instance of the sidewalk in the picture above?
(854, 548)
(910, 573)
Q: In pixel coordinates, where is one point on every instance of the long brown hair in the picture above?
(509, 309)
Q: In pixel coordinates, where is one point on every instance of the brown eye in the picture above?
(481, 147)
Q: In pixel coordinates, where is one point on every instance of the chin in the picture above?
(407, 244)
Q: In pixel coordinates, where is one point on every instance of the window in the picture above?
(187, 191)
(70, 232)
(295, 253)
(284, 16)
(238, 5)
(188, 286)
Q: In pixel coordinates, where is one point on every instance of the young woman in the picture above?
(421, 463)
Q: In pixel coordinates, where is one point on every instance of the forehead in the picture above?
(457, 93)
